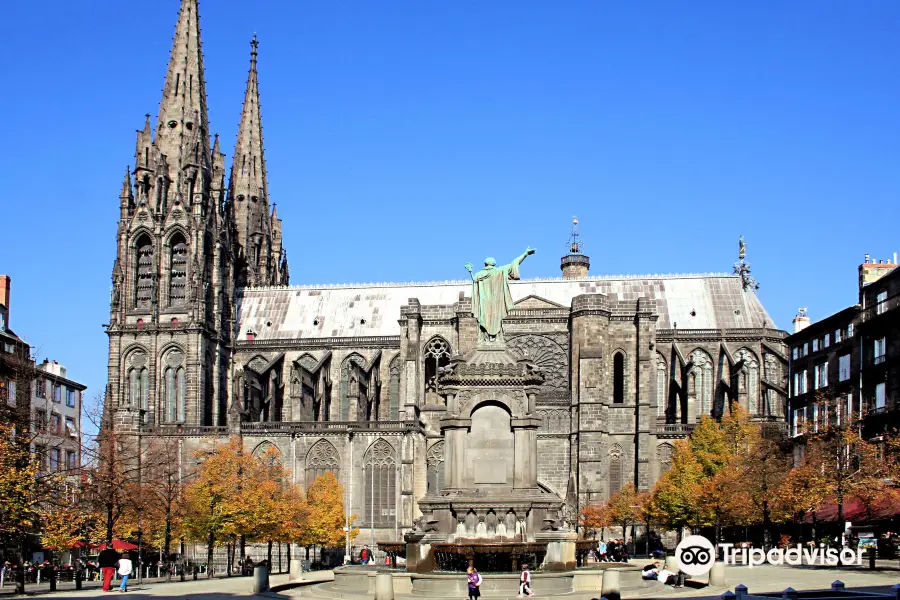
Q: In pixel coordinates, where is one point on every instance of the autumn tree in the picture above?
(326, 512)
(594, 518)
(677, 492)
(622, 507)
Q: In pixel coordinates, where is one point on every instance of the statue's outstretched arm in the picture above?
(529, 251)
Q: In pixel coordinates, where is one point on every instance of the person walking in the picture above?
(474, 581)
(525, 583)
(124, 572)
(107, 560)
(365, 555)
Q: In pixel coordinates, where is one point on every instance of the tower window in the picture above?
(178, 271)
(619, 379)
(143, 293)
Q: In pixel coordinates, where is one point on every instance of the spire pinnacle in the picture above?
(183, 116)
(126, 185)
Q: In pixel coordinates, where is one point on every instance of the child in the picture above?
(474, 580)
(525, 583)
(124, 571)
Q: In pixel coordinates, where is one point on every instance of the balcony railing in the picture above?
(674, 429)
(881, 307)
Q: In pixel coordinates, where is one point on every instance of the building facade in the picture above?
(16, 366)
(56, 403)
(847, 365)
(208, 340)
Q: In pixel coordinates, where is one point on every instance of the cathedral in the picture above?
(208, 340)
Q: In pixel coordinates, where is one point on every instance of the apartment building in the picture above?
(56, 404)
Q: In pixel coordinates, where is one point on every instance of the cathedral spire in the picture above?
(248, 168)
(183, 116)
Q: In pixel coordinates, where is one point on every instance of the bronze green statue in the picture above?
(491, 299)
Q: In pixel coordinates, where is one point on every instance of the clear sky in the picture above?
(407, 138)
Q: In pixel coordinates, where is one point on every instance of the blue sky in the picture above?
(407, 138)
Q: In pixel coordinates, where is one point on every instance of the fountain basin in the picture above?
(488, 557)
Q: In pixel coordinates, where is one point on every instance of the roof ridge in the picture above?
(454, 282)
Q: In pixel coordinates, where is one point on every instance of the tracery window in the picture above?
(661, 381)
(178, 271)
(394, 389)
(437, 355)
(143, 285)
(322, 458)
(700, 382)
(174, 387)
(748, 380)
(138, 379)
(381, 485)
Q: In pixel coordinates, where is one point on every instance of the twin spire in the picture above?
(177, 165)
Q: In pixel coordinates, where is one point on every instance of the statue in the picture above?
(491, 299)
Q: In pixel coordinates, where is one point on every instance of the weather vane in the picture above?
(742, 268)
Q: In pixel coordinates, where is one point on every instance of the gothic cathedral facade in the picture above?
(207, 340)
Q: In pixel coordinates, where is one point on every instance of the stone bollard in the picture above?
(78, 576)
(789, 594)
(672, 564)
(717, 574)
(837, 585)
(384, 586)
(260, 579)
(740, 591)
(52, 578)
(729, 595)
(610, 585)
(296, 569)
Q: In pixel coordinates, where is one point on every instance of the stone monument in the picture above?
(491, 511)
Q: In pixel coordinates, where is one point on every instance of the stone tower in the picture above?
(260, 259)
(575, 265)
(171, 311)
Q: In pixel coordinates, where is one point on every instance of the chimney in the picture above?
(801, 321)
(873, 270)
(5, 283)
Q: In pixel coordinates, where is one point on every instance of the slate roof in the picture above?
(296, 312)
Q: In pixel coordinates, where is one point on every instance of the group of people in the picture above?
(615, 550)
(111, 562)
(474, 581)
(659, 573)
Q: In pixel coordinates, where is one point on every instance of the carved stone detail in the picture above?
(548, 356)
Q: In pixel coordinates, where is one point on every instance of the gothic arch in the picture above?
(436, 353)
(434, 466)
(173, 384)
(143, 256)
(394, 388)
(619, 362)
(176, 255)
(748, 380)
(322, 458)
(547, 355)
(258, 363)
(349, 385)
(307, 360)
(662, 386)
(700, 382)
(267, 451)
(137, 377)
(380, 491)
(501, 401)
(135, 235)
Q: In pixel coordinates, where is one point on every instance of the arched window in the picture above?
(700, 382)
(381, 485)
(619, 378)
(174, 390)
(615, 469)
(434, 461)
(143, 285)
(138, 392)
(394, 389)
(437, 355)
(662, 380)
(322, 458)
(177, 270)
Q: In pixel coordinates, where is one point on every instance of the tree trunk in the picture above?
(20, 572)
(229, 559)
(269, 555)
(767, 524)
(168, 541)
(243, 542)
(209, 555)
(647, 538)
(109, 522)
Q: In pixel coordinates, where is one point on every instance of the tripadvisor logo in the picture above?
(696, 555)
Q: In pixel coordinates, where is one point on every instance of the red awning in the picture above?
(885, 508)
(118, 545)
